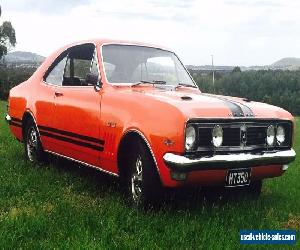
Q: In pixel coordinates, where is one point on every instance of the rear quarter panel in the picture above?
(17, 103)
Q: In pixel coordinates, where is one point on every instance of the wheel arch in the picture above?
(127, 138)
(27, 116)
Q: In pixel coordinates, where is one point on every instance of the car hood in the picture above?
(194, 104)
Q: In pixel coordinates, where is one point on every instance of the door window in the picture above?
(55, 76)
(73, 66)
(81, 62)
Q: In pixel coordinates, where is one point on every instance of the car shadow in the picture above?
(175, 199)
(97, 180)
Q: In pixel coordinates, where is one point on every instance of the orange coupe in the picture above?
(132, 110)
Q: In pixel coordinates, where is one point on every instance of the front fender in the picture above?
(160, 124)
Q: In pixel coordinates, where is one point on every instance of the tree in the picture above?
(7, 37)
(236, 69)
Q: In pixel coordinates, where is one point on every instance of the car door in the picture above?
(45, 106)
(77, 108)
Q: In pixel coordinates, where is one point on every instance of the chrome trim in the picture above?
(183, 163)
(8, 118)
(82, 162)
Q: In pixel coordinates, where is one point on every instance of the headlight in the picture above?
(280, 135)
(217, 136)
(270, 135)
(190, 137)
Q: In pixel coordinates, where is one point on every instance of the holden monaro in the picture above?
(132, 110)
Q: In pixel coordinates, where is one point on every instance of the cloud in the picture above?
(257, 3)
(144, 10)
(237, 32)
(49, 7)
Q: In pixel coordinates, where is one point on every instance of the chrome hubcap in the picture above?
(31, 144)
(136, 180)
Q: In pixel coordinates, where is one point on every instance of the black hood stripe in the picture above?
(247, 111)
(237, 109)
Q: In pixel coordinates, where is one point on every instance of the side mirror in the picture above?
(93, 79)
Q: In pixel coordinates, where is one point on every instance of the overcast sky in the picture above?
(236, 32)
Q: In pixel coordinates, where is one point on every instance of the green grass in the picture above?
(65, 206)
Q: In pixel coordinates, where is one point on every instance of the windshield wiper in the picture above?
(149, 82)
(186, 85)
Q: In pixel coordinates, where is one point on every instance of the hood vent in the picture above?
(246, 100)
(186, 98)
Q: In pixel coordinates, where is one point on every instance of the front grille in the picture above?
(241, 135)
(204, 137)
(256, 136)
(231, 137)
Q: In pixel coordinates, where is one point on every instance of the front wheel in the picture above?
(144, 186)
(33, 148)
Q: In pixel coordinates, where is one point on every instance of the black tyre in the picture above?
(33, 148)
(144, 188)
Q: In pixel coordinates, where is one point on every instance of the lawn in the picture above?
(62, 205)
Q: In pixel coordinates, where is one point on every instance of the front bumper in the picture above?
(184, 164)
(8, 118)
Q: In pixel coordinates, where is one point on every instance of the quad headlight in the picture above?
(280, 135)
(217, 136)
(271, 135)
(190, 137)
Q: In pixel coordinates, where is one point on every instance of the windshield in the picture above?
(133, 64)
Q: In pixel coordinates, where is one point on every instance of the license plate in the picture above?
(238, 177)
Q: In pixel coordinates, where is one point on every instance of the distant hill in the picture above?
(287, 63)
(291, 63)
(23, 57)
(29, 59)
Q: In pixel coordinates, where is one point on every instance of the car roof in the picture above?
(103, 41)
(98, 41)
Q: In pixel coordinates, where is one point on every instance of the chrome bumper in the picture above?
(8, 118)
(185, 164)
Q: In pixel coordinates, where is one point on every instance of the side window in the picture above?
(56, 74)
(80, 63)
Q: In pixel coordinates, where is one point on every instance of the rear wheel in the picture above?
(143, 182)
(33, 148)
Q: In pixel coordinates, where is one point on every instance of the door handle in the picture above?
(57, 94)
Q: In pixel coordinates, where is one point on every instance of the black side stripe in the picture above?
(69, 140)
(16, 119)
(15, 122)
(77, 136)
(43, 131)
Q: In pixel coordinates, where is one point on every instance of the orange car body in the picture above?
(88, 126)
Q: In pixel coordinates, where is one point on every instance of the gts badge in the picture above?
(111, 124)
